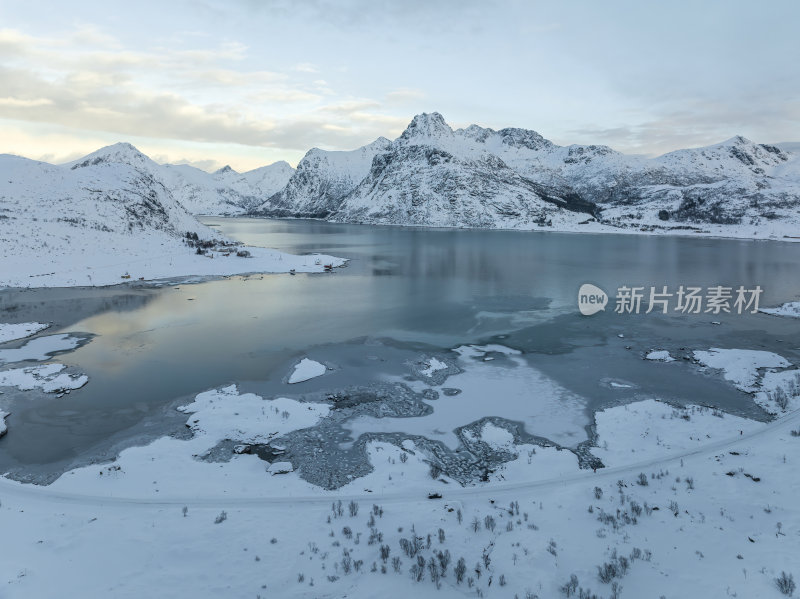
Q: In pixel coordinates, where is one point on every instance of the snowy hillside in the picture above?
(515, 178)
(104, 219)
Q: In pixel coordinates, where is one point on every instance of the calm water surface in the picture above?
(413, 290)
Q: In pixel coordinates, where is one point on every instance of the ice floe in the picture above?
(40, 349)
(660, 356)
(791, 309)
(306, 369)
(47, 377)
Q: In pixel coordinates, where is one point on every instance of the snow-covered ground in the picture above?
(12, 332)
(740, 366)
(306, 369)
(650, 429)
(710, 523)
(692, 502)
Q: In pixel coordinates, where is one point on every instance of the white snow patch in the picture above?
(660, 356)
(740, 366)
(616, 385)
(790, 309)
(787, 384)
(20, 330)
(433, 366)
(496, 437)
(305, 370)
(39, 349)
(47, 377)
(225, 414)
(280, 468)
(3, 427)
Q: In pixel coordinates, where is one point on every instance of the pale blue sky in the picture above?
(249, 82)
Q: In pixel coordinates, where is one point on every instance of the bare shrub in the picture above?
(460, 570)
(785, 584)
(570, 587)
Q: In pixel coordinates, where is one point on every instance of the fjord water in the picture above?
(406, 293)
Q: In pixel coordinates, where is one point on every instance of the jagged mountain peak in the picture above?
(280, 165)
(476, 132)
(379, 144)
(427, 125)
(526, 138)
(225, 170)
(737, 140)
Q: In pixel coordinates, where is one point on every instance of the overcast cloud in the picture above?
(250, 82)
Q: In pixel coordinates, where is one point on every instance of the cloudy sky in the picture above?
(248, 82)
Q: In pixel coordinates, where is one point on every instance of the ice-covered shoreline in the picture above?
(109, 269)
(706, 231)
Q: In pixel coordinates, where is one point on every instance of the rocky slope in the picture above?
(432, 175)
(320, 182)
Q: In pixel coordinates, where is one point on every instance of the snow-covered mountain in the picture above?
(105, 218)
(479, 177)
(321, 180)
(432, 175)
(224, 192)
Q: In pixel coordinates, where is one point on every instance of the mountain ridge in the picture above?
(475, 176)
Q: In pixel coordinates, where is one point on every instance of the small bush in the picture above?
(781, 398)
(353, 507)
(785, 584)
(571, 586)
